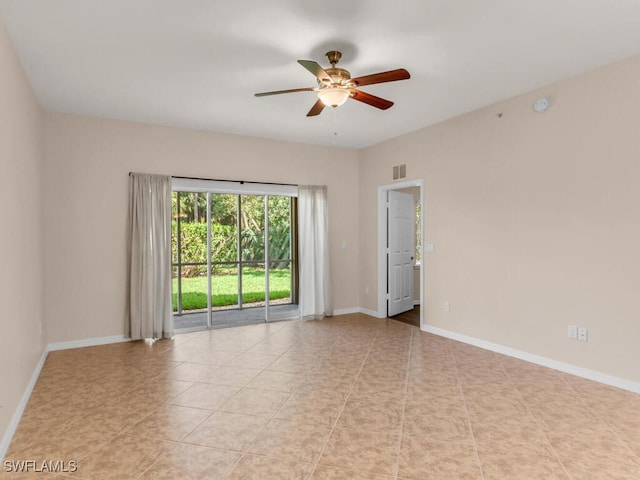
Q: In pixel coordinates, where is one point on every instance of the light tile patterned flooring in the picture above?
(350, 397)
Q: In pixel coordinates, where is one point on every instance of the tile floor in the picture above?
(350, 397)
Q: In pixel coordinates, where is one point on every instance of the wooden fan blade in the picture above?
(316, 109)
(382, 77)
(278, 92)
(316, 69)
(369, 99)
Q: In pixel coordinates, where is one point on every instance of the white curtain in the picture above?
(316, 299)
(150, 309)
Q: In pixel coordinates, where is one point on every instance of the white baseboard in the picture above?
(346, 311)
(366, 311)
(371, 313)
(529, 357)
(15, 420)
(87, 342)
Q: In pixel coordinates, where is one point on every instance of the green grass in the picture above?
(225, 287)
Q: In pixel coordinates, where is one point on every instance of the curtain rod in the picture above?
(241, 182)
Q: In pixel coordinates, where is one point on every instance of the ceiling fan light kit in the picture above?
(333, 96)
(335, 85)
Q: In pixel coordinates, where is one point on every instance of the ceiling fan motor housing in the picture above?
(339, 77)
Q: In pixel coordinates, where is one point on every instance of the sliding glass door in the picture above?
(233, 261)
(283, 273)
(225, 274)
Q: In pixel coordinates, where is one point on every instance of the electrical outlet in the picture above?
(573, 332)
(447, 307)
(366, 290)
(582, 334)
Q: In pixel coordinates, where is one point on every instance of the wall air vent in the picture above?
(399, 171)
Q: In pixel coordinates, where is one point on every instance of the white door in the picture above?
(401, 250)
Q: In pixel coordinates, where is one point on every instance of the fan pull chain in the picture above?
(335, 129)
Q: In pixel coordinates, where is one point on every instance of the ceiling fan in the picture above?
(335, 85)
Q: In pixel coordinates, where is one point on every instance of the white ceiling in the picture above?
(197, 63)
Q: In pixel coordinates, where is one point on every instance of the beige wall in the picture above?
(535, 220)
(87, 165)
(21, 341)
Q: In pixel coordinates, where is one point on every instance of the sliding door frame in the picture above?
(211, 188)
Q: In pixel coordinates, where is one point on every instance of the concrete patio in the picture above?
(234, 317)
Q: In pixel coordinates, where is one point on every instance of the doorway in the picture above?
(390, 274)
(234, 258)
